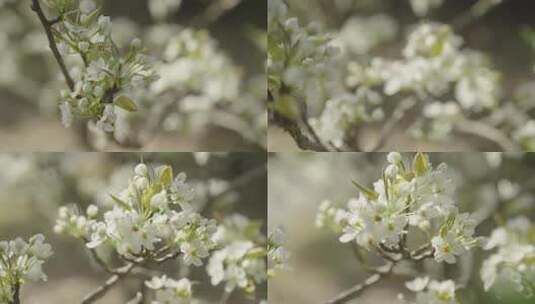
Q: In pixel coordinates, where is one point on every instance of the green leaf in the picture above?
(287, 106)
(166, 175)
(124, 102)
(257, 252)
(369, 193)
(420, 164)
(121, 203)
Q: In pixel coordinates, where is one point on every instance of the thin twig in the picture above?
(237, 183)
(47, 24)
(487, 132)
(168, 257)
(293, 128)
(354, 291)
(16, 294)
(102, 290)
(397, 115)
(479, 9)
(215, 11)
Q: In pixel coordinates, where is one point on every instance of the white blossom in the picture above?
(169, 291)
(151, 214)
(514, 259)
(239, 265)
(407, 195)
(21, 261)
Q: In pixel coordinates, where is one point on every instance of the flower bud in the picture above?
(104, 24)
(141, 170)
(92, 211)
(141, 183)
(394, 157)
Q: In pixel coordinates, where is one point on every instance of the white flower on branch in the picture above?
(239, 265)
(169, 291)
(433, 292)
(515, 258)
(278, 255)
(21, 261)
(408, 195)
(152, 218)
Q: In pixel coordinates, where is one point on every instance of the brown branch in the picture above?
(102, 290)
(487, 132)
(292, 128)
(47, 25)
(356, 290)
(16, 294)
(168, 257)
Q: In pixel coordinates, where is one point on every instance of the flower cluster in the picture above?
(21, 261)
(105, 77)
(408, 196)
(433, 292)
(277, 254)
(433, 61)
(515, 257)
(240, 265)
(169, 291)
(299, 59)
(241, 261)
(151, 218)
(194, 63)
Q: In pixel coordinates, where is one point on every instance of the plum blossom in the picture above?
(169, 291)
(150, 217)
(21, 261)
(240, 265)
(514, 258)
(407, 195)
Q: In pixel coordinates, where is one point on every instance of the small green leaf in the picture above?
(125, 103)
(369, 193)
(166, 175)
(120, 202)
(420, 164)
(257, 252)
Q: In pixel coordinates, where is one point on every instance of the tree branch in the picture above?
(16, 294)
(356, 290)
(487, 132)
(102, 290)
(47, 25)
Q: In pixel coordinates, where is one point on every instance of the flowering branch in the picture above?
(47, 25)
(407, 196)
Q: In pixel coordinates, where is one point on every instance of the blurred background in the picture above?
(33, 186)
(230, 39)
(322, 267)
(378, 28)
